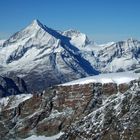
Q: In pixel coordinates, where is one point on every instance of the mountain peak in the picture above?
(36, 23)
(131, 39)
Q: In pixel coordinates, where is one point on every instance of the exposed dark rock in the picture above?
(12, 86)
(91, 111)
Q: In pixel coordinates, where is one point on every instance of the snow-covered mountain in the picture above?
(120, 56)
(1, 42)
(114, 57)
(45, 57)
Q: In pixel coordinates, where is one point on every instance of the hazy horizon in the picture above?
(102, 21)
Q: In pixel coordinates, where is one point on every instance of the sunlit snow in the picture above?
(123, 77)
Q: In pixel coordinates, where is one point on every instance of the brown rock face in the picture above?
(110, 88)
(75, 97)
(55, 110)
(123, 87)
(116, 119)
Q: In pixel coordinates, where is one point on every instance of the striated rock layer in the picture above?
(93, 111)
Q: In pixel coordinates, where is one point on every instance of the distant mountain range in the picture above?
(44, 57)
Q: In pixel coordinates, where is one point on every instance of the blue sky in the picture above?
(102, 20)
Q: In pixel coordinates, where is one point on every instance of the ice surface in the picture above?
(34, 137)
(122, 77)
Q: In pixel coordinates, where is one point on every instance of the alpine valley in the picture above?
(60, 85)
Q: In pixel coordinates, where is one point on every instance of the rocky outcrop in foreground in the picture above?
(92, 111)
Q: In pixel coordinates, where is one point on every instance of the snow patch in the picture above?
(14, 100)
(2, 41)
(34, 137)
(119, 78)
(3, 102)
(19, 99)
(107, 44)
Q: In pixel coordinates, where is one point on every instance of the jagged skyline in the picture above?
(102, 21)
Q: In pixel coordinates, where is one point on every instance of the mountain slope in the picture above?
(121, 56)
(1, 42)
(12, 86)
(103, 111)
(114, 57)
(118, 78)
(45, 57)
(118, 118)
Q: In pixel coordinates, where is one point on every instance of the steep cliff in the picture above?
(101, 111)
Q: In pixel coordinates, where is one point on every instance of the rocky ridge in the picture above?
(89, 111)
